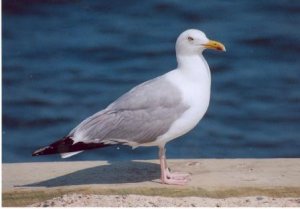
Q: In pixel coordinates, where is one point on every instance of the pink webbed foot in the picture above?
(174, 181)
(166, 176)
(177, 175)
(175, 178)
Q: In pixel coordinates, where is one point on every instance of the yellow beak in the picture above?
(215, 45)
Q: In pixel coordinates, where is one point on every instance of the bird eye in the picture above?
(190, 38)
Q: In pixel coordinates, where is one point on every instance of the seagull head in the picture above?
(194, 41)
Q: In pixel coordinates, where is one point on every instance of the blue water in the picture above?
(65, 60)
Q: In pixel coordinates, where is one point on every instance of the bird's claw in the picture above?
(174, 181)
(175, 178)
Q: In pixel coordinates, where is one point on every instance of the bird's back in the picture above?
(140, 116)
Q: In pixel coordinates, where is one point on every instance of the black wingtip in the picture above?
(41, 151)
(65, 145)
(60, 146)
(35, 153)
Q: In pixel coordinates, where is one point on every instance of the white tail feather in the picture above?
(69, 154)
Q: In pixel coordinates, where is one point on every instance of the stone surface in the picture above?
(210, 178)
(81, 200)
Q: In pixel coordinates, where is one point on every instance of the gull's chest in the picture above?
(196, 95)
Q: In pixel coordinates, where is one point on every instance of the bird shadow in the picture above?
(115, 173)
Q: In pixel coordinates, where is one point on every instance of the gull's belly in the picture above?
(197, 96)
(193, 115)
(189, 119)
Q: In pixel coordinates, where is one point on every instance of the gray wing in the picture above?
(139, 116)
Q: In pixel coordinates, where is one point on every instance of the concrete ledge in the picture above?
(27, 183)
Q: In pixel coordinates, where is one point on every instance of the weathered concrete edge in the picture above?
(27, 197)
(220, 178)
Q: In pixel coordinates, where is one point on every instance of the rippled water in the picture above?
(65, 60)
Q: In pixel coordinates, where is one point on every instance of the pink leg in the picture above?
(174, 175)
(166, 176)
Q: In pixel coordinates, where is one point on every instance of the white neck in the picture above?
(194, 65)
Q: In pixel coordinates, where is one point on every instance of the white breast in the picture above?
(195, 91)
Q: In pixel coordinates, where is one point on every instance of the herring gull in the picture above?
(154, 112)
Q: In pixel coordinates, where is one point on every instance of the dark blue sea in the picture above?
(64, 60)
